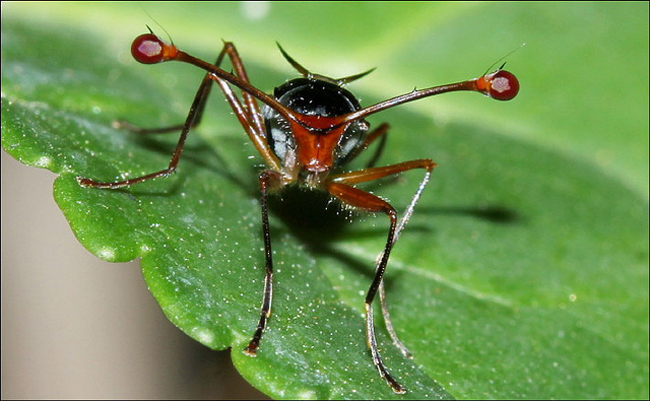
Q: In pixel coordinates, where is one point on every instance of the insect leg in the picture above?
(250, 117)
(366, 201)
(246, 118)
(197, 105)
(251, 104)
(382, 293)
(193, 118)
(248, 113)
(267, 181)
(340, 187)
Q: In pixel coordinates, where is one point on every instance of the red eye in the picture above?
(148, 49)
(502, 85)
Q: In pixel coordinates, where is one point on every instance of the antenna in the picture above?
(502, 58)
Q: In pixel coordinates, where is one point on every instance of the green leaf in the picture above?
(524, 271)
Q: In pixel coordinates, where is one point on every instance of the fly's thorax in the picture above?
(316, 148)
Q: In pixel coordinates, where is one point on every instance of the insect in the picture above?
(306, 132)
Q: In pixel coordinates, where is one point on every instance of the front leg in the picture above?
(193, 118)
(340, 187)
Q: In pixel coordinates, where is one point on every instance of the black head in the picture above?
(314, 95)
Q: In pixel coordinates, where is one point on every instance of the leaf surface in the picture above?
(523, 272)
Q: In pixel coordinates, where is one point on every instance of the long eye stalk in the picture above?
(499, 85)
